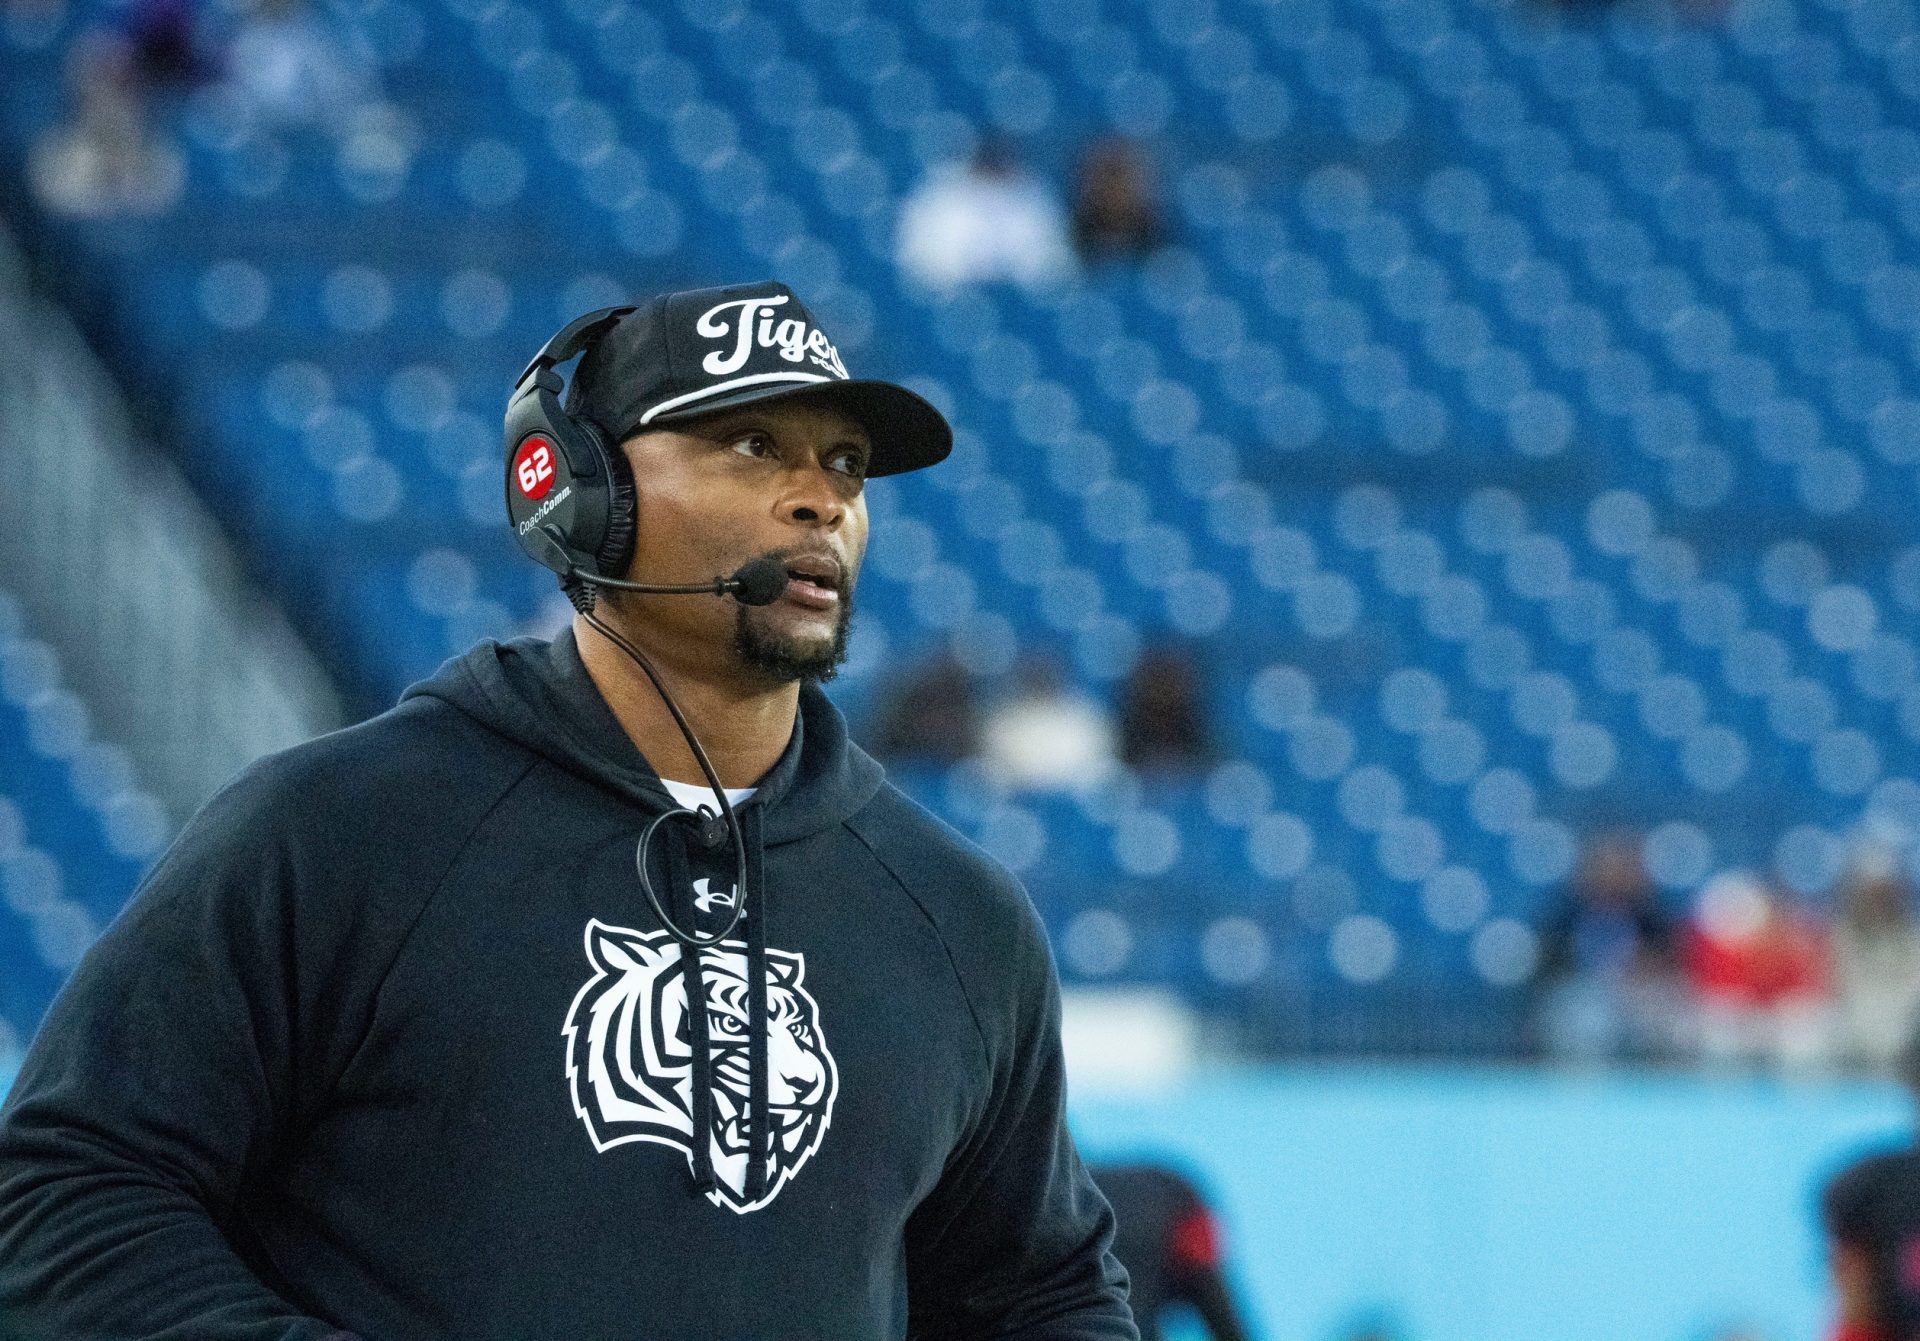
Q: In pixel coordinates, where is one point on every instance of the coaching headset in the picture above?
(570, 493)
(570, 498)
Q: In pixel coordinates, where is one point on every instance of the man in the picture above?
(1169, 1243)
(1871, 1213)
(398, 1041)
(989, 221)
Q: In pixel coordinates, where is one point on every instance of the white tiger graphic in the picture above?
(630, 1055)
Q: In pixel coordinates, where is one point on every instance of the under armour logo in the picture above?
(706, 898)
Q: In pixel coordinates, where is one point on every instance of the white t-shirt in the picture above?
(697, 795)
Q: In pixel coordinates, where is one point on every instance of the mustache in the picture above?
(845, 572)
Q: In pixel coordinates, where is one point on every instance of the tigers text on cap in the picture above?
(687, 354)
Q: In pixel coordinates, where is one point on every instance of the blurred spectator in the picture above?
(1116, 214)
(930, 716)
(107, 160)
(290, 66)
(1608, 978)
(1169, 1242)
(1758, 969)
(1871, 1213)
(1046, 736)
(990, 221)
(1876, 964)
(1161, 726)
(165, 55)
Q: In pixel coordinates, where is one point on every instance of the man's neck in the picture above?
(744, 725)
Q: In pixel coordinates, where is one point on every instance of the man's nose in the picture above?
(813, 500)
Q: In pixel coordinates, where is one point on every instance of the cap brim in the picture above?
(906, 431)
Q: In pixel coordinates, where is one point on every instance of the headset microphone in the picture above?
(756, 582)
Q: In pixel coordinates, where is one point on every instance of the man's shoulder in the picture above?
(418, 766)
(341, 836)
(929, 855)
(978, 906)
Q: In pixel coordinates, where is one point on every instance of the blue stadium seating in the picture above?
(76, 829)
(1507, 426)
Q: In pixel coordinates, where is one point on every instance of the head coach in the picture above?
(602, 988)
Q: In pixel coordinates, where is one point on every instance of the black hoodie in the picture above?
(391, 1045)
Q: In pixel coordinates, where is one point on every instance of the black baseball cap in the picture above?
(684, 355)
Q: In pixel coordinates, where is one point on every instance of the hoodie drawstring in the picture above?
(759, 1131)
(700, 1036)
(759, 1114)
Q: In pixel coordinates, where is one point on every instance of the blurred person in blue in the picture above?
(1871, 1214)
(290, 65)
(989, 221)
(1169, 1241)
(1608, 985)
(517, 1012)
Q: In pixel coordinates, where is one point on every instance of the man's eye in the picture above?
(850, 463)
(753, 444)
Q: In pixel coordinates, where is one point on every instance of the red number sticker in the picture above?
(533, 468)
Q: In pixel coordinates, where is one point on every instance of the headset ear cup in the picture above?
(616, 550)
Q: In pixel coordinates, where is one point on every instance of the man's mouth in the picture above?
(813, 581)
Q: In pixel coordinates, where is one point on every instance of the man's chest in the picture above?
(540, 1021)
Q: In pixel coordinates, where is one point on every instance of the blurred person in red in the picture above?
(1170, 1244)
(1757, 966)
(1116, 212)
(1876, 962)
(1608, 986)
(1871, 1214)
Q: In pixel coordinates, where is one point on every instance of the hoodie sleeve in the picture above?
(1013, 1243)
(157, 1084)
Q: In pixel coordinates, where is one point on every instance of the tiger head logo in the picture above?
(630, 1056)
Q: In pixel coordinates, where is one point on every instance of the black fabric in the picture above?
(350, 1062)
(1153, 1209)
(683, 355)
(1874, 1205)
